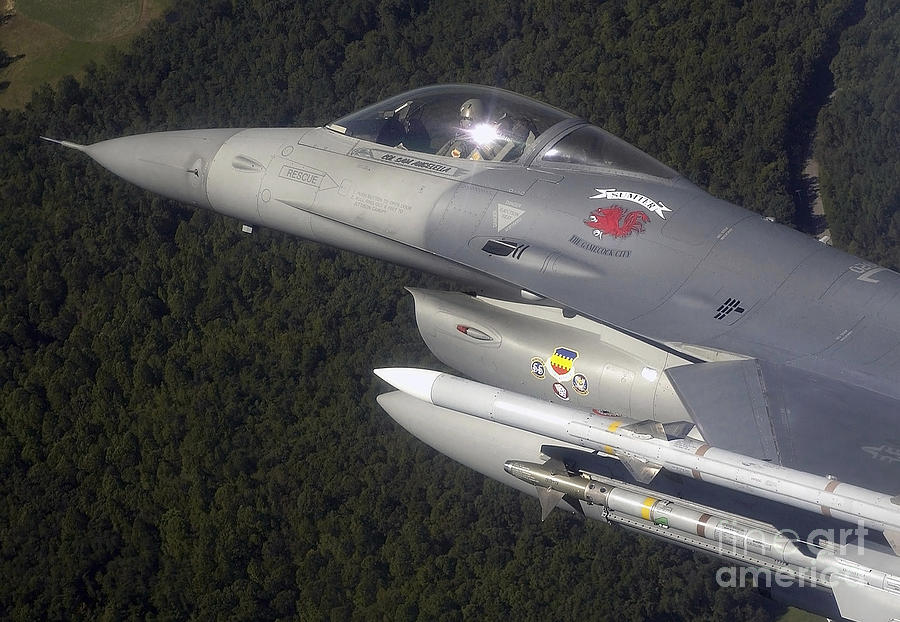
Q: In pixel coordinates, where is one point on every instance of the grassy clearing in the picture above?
(85, 20)
(59, 37)
(796, 615)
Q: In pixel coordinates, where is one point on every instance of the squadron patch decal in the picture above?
(624, 195)
(580, 384)
(616, 221)
(561, 391)
(561, 364)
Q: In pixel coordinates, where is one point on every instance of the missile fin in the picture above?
(556, 466)
(648, 426)
(575, 505)
(893, 538)
(678, 429)
(641, 470)
(858, 601)
(549, 498)
(665, 431)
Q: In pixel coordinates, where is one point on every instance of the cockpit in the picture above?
(480, 123)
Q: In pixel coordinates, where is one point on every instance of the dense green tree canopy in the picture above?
(187, 414)
(859, 138)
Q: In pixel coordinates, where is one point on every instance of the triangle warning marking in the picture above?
(507, 215)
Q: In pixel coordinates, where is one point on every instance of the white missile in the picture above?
(865, 583)
(645, 447)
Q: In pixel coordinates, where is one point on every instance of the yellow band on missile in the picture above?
(609, 450)
(645, 509)
(614, 426)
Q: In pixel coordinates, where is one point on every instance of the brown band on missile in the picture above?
(832, 485)
(826, 511)
(702, 449)
(695, 474)
(701, 524)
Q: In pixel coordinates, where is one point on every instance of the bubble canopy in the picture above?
(473, 122)
(496, 125)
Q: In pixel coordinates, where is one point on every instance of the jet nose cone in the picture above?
(173, 164)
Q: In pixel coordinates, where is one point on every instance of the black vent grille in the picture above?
(503, 248)
(732, 305)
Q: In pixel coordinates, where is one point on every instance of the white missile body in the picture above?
(866, 584)
(635, 443)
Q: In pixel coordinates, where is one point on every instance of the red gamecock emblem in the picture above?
(616, 221)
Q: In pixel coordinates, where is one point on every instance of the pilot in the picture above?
(513, 134)
(470, 113)
(481, 138)
(464, 144)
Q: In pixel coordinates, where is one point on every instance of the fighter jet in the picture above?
(639, 351)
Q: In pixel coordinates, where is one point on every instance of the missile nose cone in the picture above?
(173, 164)
(518, 468)
(415, 382)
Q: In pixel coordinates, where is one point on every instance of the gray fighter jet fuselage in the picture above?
(787, 349)
(662, 258)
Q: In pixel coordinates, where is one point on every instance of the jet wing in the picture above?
(795, 418)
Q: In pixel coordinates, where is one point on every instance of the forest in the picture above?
(188, 426)
(859, 139)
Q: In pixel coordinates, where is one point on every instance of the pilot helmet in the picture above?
(470, 112)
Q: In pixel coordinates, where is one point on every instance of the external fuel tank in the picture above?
(538, 351)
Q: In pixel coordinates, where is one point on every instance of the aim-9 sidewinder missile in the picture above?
(866, 584)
